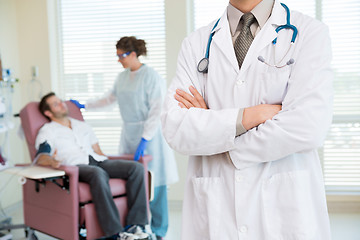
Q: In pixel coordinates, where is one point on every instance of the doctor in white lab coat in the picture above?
(265, 182)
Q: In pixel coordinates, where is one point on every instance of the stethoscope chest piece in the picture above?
(203, 65)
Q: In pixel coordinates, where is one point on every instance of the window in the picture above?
(341, 152)
(206, 11)
(88, 32)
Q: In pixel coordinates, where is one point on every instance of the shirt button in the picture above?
(239, 178)
(243, 229)
(240, 82)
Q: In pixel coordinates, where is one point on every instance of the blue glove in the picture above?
(76, 102)
(140, 149)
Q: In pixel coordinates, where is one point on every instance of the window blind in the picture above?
(342, 147)
(88, 32)
(340, 155)
(206, 11)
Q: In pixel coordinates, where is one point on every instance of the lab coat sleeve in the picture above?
(154, 93)
(195, 131)
(306, 113)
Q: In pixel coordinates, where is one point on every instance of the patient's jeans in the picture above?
(97, 175)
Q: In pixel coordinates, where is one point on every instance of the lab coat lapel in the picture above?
(222, 40)
(266, 35)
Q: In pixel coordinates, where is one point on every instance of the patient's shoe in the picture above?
(127, 236)
(138, 231)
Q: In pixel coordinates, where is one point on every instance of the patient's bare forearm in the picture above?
(97, 149)
(254, 116)
(47, 160)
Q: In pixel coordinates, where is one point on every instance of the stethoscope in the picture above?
(204, 63)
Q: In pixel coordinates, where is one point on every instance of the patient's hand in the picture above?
(55, 163)
(47, 160)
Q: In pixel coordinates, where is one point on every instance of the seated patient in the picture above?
(67, 141)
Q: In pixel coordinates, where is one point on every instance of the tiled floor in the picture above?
(343, 226)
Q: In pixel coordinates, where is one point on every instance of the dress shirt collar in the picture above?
(262, 12)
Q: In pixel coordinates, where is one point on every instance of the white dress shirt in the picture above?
(262, 12)
(73, 145)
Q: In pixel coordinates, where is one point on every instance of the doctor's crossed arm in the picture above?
(252, 116)
(187, 100)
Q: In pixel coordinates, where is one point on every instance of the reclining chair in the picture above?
(59, 207)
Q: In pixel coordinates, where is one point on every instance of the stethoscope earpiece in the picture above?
(262, 59)
(291, 61)
(278, 29)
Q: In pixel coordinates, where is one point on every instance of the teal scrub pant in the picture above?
(159, 211)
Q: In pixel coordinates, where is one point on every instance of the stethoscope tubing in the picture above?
(204, 62)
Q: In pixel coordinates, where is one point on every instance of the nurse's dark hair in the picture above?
(43, 105)
(132, 44)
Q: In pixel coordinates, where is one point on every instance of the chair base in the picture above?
(93, 230)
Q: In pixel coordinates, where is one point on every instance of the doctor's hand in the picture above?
(76, 102)
(187, 100)
(140, 149)
(256, 115)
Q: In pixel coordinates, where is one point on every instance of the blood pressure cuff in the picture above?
(44, 148)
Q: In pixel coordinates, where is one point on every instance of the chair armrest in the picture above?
(71, 171)
(144, 160)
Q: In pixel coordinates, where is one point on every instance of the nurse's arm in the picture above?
(252, 116)
(106, 100)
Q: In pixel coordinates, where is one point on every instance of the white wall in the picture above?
(33, 35)
(23, 43)
(10, 190)
(176, 30)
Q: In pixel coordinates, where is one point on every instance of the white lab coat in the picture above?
(265, 184)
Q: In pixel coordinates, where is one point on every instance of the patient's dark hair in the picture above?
(132, 44)
(43, 105)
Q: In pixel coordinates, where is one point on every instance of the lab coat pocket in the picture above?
(287, 207)
(274, 85)
(207, 204)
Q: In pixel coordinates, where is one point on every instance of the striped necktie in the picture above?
(245, 38)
